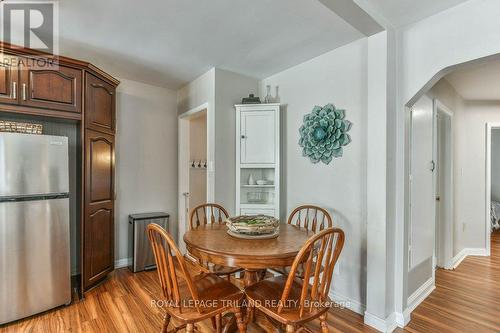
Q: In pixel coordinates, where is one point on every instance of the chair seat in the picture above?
(214, 296)
(266, 295)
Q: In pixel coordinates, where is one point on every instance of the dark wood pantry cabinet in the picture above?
(65, 89)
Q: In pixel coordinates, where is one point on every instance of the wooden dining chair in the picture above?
(211, 213)
(190, 299)
(292, 301)
(312, 218)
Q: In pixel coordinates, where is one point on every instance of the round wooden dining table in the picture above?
(212, 243)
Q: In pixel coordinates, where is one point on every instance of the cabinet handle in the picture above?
(14, 90)
(24, 91)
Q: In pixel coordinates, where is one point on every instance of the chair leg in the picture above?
(165, 323)
(250, 312)
(290, 329)
(214, 323)
(242, 326)
(190, 328)
(218, 320)
(324, 325)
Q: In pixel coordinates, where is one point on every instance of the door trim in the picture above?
(183, 162)
(489, 126)
(447, 241)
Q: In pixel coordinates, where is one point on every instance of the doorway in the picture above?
(431, 228)
(194, 166)
(492, 182)
(197, 159)
(443, 152)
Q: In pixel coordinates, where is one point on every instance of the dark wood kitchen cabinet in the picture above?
(55, 89)
(99, 104)
(99, 207)
(9, 80)
(76, 91)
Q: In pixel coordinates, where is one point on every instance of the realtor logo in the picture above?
(30, 24)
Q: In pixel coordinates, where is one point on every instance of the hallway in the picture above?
(465, 300)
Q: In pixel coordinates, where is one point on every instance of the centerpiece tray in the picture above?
(253, 227)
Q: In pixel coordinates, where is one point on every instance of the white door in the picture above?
(422, 199)
(444, 187)
(257, 137)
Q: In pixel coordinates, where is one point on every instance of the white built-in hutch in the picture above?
(258, 159)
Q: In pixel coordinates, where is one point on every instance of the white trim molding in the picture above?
(403, 318)
(347, 303)
(387, 325)
(457, 260)
(421, 294)
(124, 262)
(489, 127)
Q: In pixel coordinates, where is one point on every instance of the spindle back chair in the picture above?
(311, 217)
(207, 213)
(182, 291)
(293, 301)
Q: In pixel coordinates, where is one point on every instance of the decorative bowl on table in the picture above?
(253, 226)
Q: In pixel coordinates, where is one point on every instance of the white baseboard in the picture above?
(347, 303)
(421, 294)
(386, 325)
(457, 260)
(124, 262)
(403, 318)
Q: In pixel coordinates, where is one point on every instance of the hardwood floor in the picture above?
(123, 304)
(465, 300)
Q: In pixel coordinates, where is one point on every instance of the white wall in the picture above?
(472, 212)
(220, 89)
(229, 89)
(146, 156)
(197, 92)
(425, 52)
(337, 77)
(495, 164)
(442, 40)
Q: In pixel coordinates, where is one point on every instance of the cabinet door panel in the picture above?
(9, 77)
(258, 137)
(57, 89)
(99, 207)
(99, 104)
(98, 241)
(101, 153)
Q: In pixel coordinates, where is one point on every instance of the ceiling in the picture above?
(170, 42)
(481, 82)
(403, 12)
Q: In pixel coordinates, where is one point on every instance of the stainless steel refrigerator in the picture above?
(34, 225)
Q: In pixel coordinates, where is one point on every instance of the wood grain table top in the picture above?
(214, 243)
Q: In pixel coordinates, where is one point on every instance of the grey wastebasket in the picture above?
(139, 247)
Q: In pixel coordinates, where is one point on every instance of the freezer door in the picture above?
(34, 257)
(33, 164)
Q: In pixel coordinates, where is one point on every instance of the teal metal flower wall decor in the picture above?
(324, 133)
